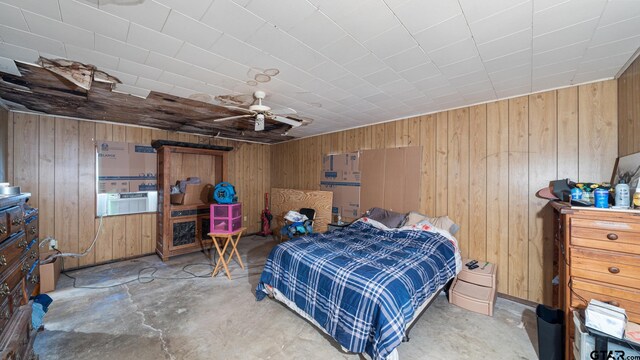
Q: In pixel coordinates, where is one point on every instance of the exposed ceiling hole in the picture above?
(252, 83)
(271, 72)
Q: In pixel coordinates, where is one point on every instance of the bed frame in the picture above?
(416, 318)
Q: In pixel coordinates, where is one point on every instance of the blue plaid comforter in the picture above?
(361, 284)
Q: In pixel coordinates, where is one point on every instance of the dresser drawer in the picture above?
(11, 279)
(17, 295)
(606, 266)
(11, 250)
(607, 235)
(15, 219)
(31, 228)
(5, 314)
(4, 225)
(33, 279)
(626, 298)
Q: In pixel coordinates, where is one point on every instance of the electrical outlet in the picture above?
(53, 244)
(244, 218)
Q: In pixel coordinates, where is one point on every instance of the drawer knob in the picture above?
(22, 244)
(16, 222)
(33, 230)
(5, 315)
(35, 279)
(612, 236)
(3, 229)
(4, 289)
(614, 270)
(33, 254)
(25, 267)
(3, 260)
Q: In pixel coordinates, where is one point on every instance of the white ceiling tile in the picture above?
(86, 56)
(557, 55)
(619, 10)
(231, 18)
(566, 14)
(12, 16)
(282, 45)
(181, 92)
(344, 50)
(273, 11)
(516, 81)
(407, 59)
(511, 20)
(604, 63)
(567, 36)
(432, 83)
(462, 67)
(561, 67)
(32, 41)
(192, 8)
(328, 71)
(519, 71)
(418, 15)
(93, 19)
(57, 30)
(600, 74)
(9, 66)
(317, 31)
(131, 90)
(183, 81)
(552, 81)
(47, 8)
(347, 82)
(215, 78)
(120, 49)
(233, 69)
(514, 59)
(516, 91)
(540, 5)
(377, 20)
(443, 34)
(153, 40)
(18, 53)
(365, 65)
(134, 68)
(420, 72)
(613, 32)
(382, 77)
(168, 63)
(125, 78)
(236, 50)
(469, 78)
(391, 42)
(182, 27)
(199, 57)
(148, 13)
(365, 90)
(335, 9)
(454, 53)
(506, 45)
(478, 10)
(613, 48)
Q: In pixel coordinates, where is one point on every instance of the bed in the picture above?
(363, 285)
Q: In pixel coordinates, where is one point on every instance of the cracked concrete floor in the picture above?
(217, 318)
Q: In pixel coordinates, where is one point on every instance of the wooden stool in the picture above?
(227, 238)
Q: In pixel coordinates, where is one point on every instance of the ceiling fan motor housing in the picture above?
(259, 123)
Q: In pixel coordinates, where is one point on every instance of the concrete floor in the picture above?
(217, 318)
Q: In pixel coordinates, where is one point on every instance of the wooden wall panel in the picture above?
(482, 165)
(4, 131)
(542, 167)
(56, 163)
(629, 110)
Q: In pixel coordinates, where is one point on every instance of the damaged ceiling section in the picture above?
(68, 88)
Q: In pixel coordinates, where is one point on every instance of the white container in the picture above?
(622, 195)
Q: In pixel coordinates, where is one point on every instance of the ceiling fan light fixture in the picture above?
(262, 78)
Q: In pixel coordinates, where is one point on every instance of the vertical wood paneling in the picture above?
(478, 182)
(629, 110)
(458, 174)
(442, 183)
(86, 190)
(567, 131)
(104, 244)
(542, 168)
(518, 196)
(66, 188)
(46, 179)
(25, 127)
(119, 223)
(428, 143)
(598, 129)
(10, 161)
(498, 190)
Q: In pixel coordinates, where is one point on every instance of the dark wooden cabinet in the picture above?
(19, 276)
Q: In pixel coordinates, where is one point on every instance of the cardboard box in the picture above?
(113, 158)
(198, 194)
(113, 186)
(143, 161)
(49, 273)
(341, 175)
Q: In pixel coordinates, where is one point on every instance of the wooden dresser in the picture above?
(598, 257)
(19, 276)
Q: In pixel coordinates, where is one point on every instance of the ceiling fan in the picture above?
(259, 113)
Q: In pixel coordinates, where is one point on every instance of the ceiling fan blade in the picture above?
(283, 111)
(237, 108)
(287, 121)
(232, 118)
